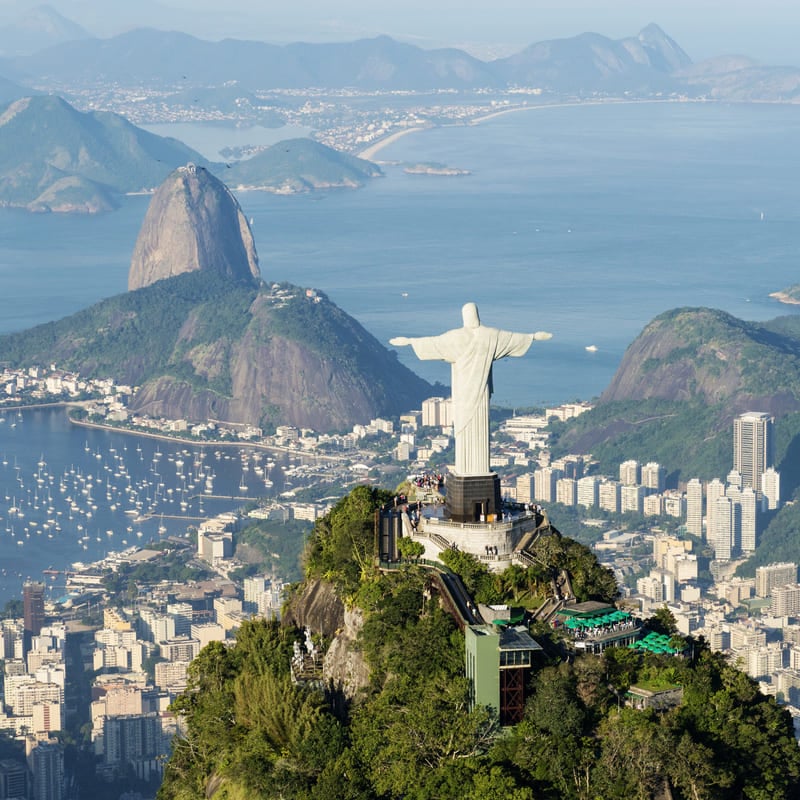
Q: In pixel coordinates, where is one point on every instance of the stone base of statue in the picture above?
(473, 498)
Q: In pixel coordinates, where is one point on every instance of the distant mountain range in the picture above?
(650, 62)
(36, 29)
(56, 158)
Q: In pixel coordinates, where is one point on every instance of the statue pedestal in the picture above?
(473, 498)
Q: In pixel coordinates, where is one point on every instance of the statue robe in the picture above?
(471, 352)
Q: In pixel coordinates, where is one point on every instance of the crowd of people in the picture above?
(604, 630)
(428, 480)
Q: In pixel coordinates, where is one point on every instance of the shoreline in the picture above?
(786, 299)
(372, 150)
(199, 442)
(369, 152)
(573, 104)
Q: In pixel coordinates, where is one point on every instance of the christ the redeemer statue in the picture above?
(471, 350)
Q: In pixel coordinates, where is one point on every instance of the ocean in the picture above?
(586, 221)
(70, 493)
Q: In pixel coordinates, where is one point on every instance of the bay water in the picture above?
(586, 221)
(70, 493)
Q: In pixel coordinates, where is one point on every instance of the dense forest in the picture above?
(251, 732)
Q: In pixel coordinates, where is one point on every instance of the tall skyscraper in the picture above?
(32, 610)
(752, 447)
(46, 764)
(723, 532)
(714, 489)
(771, 488)
(694, 508)
(747, 520)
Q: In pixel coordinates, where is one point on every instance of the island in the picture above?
(790, 295)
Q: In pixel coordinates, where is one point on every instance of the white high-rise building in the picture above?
(694, 508)
(752, 447)
(714, 490)
(747, 520)
(609, 496)
(674, 504)
(632, 499)
(182, 614)
(544, 483)
(254, 587)
(786, 600)
(734, 479)
(567, 491)
(735, 494)
(721, 538)
(771, 489)
(525, 488)
(630, 473)
(772, 575)
(437, 412)
(653, 505)
(651, 587)
(587, 491)
(653, 477)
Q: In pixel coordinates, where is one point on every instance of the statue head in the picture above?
(469, 313)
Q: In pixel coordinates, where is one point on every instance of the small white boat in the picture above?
(591, 348)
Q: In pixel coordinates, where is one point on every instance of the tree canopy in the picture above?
(411, 732)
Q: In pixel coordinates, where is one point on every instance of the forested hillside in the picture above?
(410, 733)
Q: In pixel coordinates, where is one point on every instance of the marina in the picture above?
(69, 493)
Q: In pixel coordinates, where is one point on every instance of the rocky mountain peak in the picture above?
(664, 53)
(193, 223)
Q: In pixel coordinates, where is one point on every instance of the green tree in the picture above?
(634, 750)
(342, 542)
(410, 549)
(411, 729)
(551, 744)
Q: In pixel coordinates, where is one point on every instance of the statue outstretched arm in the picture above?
(446, 346)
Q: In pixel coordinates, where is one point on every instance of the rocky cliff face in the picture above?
(319, 608)
(193, 223)
(202, 337)
(709, 356)
(299, 361)
(344, 666)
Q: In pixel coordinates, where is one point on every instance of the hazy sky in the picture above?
(767, 30)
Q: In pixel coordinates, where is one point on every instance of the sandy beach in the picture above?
(370, 152)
